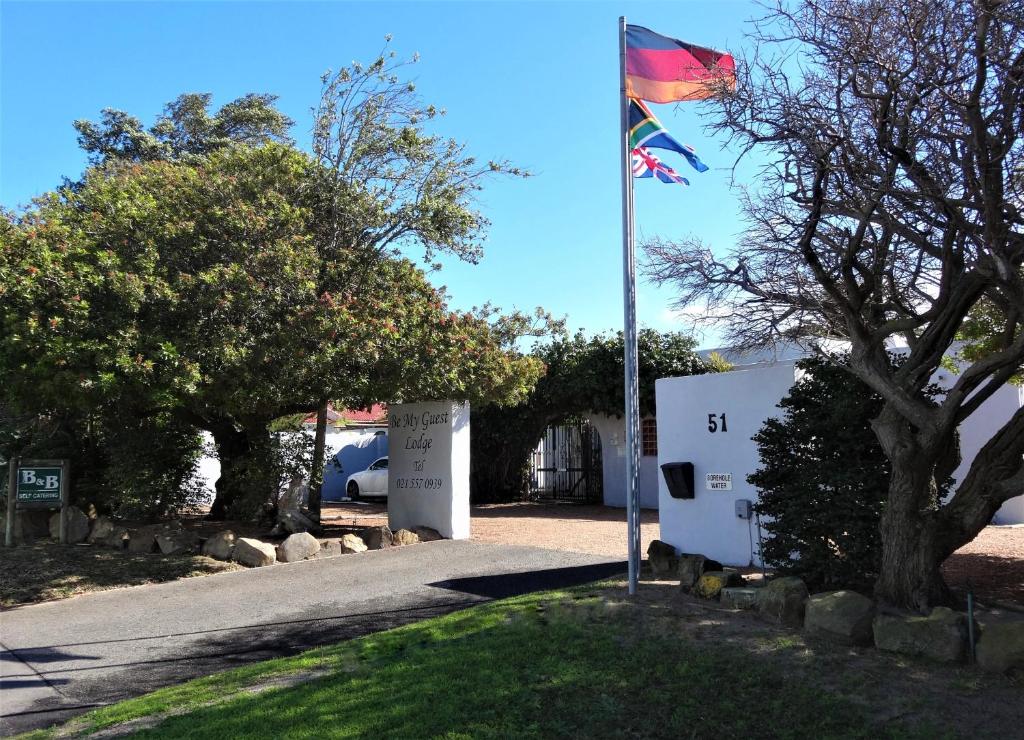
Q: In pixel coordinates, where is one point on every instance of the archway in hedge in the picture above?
(583, 377)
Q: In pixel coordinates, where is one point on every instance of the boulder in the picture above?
(351, 543)
(296, 521)
(710, 585)
(141, 540)
(102, 528)
(1001, 648)
(406, 537)
(293, 512)
(118, 539)
(174, 540)
(843, 617)
(426, 534)
(78, 525)
(663, 559)
(220, 546)
(941, 636)
(739, 597)
(253, 552)
(377, 538)
(691, 567)
(298, 547)
(31, 525)
(329, 548)
(783, 601)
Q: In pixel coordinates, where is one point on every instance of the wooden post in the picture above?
(12, 484)
(64, 464)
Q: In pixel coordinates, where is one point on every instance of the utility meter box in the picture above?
(744, 508)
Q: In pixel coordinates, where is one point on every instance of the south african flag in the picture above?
(646, 131)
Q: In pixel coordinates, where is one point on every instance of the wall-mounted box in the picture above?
(679, 479)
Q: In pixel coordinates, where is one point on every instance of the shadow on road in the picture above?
(515, 584)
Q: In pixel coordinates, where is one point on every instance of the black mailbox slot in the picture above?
(679, 478)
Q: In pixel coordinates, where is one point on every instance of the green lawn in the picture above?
(558, 664)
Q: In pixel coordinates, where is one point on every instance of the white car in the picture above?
(370, 482)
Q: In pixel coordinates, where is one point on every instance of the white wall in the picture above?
(707, 523)
(613, 465)
(979, 428)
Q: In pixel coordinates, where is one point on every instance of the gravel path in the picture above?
(597, 530)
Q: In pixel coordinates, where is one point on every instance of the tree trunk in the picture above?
(909, 577)
(316, 475)
(234, 449)
(911, 551)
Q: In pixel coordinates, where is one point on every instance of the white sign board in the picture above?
(718, 481)
(428, 467)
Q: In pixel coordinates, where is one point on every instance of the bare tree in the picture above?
(888, 208)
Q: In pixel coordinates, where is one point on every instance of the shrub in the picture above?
(823, 481)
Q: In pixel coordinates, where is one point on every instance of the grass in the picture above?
(573, 664)
(47, 571)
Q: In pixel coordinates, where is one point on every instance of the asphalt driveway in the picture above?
(64, 658)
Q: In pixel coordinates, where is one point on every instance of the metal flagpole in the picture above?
(629, 332)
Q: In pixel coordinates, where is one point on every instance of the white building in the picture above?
(708, 420)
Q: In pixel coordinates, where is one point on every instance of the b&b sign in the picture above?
(39, 486)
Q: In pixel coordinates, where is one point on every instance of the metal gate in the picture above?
(566, 465)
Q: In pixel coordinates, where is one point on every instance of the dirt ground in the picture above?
(954, 701)
(992, 565)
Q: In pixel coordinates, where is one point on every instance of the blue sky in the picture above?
(535, 83)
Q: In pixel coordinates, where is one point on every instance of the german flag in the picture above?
(664, 70)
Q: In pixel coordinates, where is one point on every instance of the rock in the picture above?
(31, 525)
(377, 538)
(426, 534)
(663, 559)
(1001, 648)
(843, 617)
(298, 547)
(406, 537)
(691, 567)
(118, 539)
(710, 585)
(293, 512)
(102, 528)
(78, 525)
(220, 546)
(175, 541)
(329, 548)
(351, 543)
(295, 522)
(141, 540)
(739, 597)
(253, 552)
(783, 600)
(941, 636)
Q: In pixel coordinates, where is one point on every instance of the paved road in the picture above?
(65, 657)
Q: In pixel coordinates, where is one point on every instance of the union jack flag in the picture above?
(646, 164)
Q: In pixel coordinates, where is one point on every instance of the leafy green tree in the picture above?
(197, 289)
(186, 128)
(583, 375)
(384, 184)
